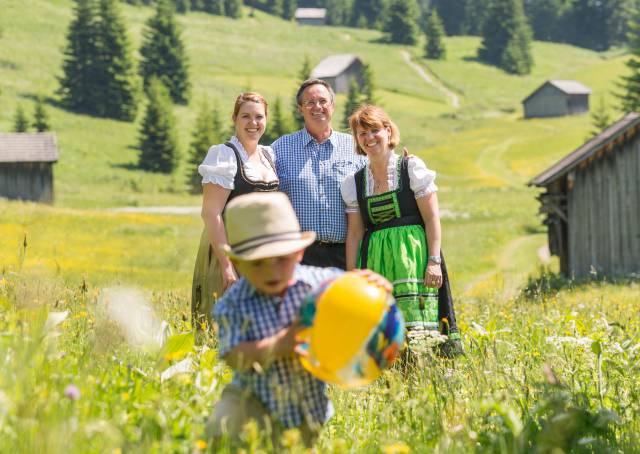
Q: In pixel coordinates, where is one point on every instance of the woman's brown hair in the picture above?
(249, 96)
(373, 117)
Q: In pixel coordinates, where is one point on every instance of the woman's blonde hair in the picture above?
(249, 96)
(372, 117)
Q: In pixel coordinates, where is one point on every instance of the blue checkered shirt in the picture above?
(290, 393)
(311, 173)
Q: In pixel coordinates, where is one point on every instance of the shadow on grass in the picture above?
(546, 284)
(8, 64)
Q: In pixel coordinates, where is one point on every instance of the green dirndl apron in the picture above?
(394, 245)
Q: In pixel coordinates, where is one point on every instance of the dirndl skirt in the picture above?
(207, 283)
(400, 254)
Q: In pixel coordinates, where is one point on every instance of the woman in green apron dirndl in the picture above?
(236, 167)
(394, 226)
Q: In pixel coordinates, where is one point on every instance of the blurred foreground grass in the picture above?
(555, 371)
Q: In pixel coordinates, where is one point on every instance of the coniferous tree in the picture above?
(600, 117)
(181, 6)
(507, 37)
(367, 13)
(216, 7)
(435, 31)
(401, 25)
(452, 13)
(475, 12)
(275, 7)
(158, 142)
(20, 120)
(78, 85)
(233, 8)
(277, 125)
(630, 98)
(548, 19)
(338, 12)
(40, 117)
(117, 95)
(598, 24)
(163, 54)
(303, 74)
(367, 88)
(289, 9)
(207, 131)
(353, 101)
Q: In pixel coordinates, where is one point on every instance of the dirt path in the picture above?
(508, 274)
(451, 96)
(490, 161)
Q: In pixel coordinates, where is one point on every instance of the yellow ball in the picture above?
(353, 331)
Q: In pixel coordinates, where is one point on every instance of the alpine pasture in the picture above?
(550, 364)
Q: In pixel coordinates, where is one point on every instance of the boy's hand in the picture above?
(286, 340)
(375, 279)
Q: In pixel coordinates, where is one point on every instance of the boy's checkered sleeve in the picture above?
(232, 330)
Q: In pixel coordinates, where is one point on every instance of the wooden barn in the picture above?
(311, 16)
(557, 98)
(338, 70)
(26, 166)
(592, 203)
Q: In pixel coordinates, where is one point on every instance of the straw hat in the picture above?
(261, 225)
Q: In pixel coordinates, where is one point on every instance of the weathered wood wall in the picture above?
(343, 80)
(27, 181)
(551, 102)
(604, 214)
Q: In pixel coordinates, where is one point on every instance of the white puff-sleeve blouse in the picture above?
(219, 166)
(421, 181)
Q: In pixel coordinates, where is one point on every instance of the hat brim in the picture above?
(273, 248)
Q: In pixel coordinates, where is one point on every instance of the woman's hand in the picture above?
(229, 277)
(433, 275)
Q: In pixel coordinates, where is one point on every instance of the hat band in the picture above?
(258, 241)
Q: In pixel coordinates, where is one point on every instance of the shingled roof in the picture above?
(622, 129)
(333, 65)
(28, 147)
(570, 87)
(310, 13)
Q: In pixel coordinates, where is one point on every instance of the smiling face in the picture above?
(316, 107)
(373, 140)
(250, 121)
(270, 275)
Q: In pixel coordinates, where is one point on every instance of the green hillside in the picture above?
(483, 151)
(550, 369)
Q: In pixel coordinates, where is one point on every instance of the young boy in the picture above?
(257, 324)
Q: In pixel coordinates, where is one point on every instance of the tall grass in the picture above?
(555, 373)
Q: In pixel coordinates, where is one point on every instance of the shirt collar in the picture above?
(235, 141)
(307, 138)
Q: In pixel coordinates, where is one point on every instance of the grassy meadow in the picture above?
(550, 364)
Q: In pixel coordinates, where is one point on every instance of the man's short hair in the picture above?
(309, 82)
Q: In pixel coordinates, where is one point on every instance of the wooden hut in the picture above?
(26, 166)
(556, 98)
(311, 16)
(592, 203)
(338, 70)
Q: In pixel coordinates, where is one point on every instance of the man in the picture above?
(311, 164)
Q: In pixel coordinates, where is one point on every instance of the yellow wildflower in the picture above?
(201, 445)
(396, 448)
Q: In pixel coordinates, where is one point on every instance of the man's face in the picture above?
(317, 106)
(270, 275)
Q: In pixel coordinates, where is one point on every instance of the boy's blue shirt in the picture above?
(244, 314)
